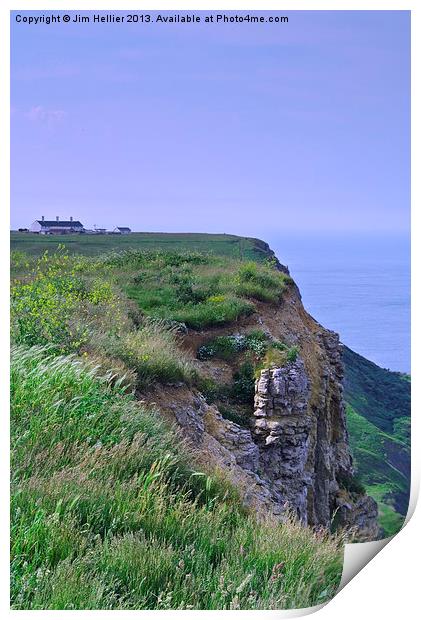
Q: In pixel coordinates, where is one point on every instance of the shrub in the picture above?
(211, 390)
(228, 347)
(234, 415)
(41, 311)
(223, 347)
(292, 353)
(257, 342)
(187, 290)
(57, 306)
(352, 483)
(162, 258)
(242, 389)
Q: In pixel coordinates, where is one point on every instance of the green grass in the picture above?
(93, 245)
(74, 305)
(375, 460)
(152, 352)
(197, 289)
(200, 290)
(163, 302)
(377, 394)
(108, 511)
(378, 407)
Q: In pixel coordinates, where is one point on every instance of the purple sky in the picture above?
(248, 129)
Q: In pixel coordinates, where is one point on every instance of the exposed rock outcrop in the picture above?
(281, 430)
(294, 453)
(359, 517)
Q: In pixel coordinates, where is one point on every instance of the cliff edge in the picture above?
(290, 450)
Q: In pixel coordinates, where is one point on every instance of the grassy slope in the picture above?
(378, 406)
(108, 512)
(377, 394)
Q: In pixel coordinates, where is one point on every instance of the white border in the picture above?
(399, 566)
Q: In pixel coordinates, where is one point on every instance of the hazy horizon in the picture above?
(243, 129)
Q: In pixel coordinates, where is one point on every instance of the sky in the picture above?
(251, 129)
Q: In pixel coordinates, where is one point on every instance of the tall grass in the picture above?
(66, 304)
(151, 351)
(108, 511)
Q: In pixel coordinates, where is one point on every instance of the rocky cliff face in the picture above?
(293, 455)
(304, 449)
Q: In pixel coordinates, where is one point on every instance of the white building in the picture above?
(122, 230)
(57, 226)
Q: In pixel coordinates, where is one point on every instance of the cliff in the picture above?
(291, 450)
(209, 332)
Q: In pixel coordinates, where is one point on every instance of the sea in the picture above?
(357, 285)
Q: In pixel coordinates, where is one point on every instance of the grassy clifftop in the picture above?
(92, 245)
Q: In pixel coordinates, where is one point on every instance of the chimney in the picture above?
(42, 218)
(57, 218)
(71, 218)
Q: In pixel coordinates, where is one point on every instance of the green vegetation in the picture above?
(378, 413)
(256, 345)
(109, 508)
(247, 353)
(242, 248)
(256, 283)
(108, 511)
(198, 290)
(152, 352)
(230, 347)
(74, 305)
(242, 390)
(379, 395)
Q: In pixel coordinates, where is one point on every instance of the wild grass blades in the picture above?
(108, 512)
(151, 351)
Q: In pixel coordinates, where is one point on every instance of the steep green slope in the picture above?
(378, 408)
(378, 394)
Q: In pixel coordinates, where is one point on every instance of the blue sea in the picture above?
(358, 286)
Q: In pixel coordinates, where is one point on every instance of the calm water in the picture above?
(358, 286)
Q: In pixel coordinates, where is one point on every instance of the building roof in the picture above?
(60, 223)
